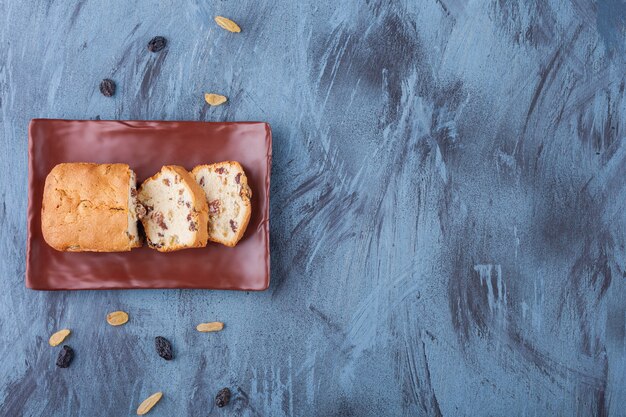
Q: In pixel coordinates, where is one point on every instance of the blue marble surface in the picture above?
(448, 207)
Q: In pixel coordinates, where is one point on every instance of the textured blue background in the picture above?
(448, 216)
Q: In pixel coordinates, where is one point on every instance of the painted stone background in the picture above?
(448, 207)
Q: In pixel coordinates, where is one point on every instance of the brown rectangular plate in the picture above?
(146, 146)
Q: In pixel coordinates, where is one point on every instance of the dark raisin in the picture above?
(193, 227)
(166, 181)
(160, 220)
(159, 234)
(201, 180)
(233, 225)
(65, 357)
(163, 348)
(181, 191)
(222, 398)
(214, 207)
(188, 204)
(238, 178)
(189, 217)
(221, 170)
(107, 87)
(133, 192)
(157, 43)
(140, 210)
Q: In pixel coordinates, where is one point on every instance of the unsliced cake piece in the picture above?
(228, 195)
(90, 207)
(176, 212)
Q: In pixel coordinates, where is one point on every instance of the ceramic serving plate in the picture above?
(146, 146)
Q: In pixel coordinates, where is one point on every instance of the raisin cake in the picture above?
(90, 207)
(176, 211)
(228, 196)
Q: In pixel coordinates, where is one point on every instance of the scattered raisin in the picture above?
(238, 178)
(181, 191)
(214, 207)
(157, 43)
(222, 398)
(107, 87)
(233, 225)
(159, 219)
(140, 210)
(65, 357)
(201, 180)
(133, 192)
(221, 170)
(159, 234)
(188, 204)
(189, 217)
(163, 348)
(193, 227)
(166, 181)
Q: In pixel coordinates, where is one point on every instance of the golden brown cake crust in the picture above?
(85, 207)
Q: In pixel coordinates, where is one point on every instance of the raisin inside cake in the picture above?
(174, 211)
(228, 196)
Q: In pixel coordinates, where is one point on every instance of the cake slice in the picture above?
(228, 195)
(176, 212)
(90, 207)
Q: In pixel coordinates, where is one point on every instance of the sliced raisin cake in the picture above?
(90, 207)
(228, 196)
(176, 211)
